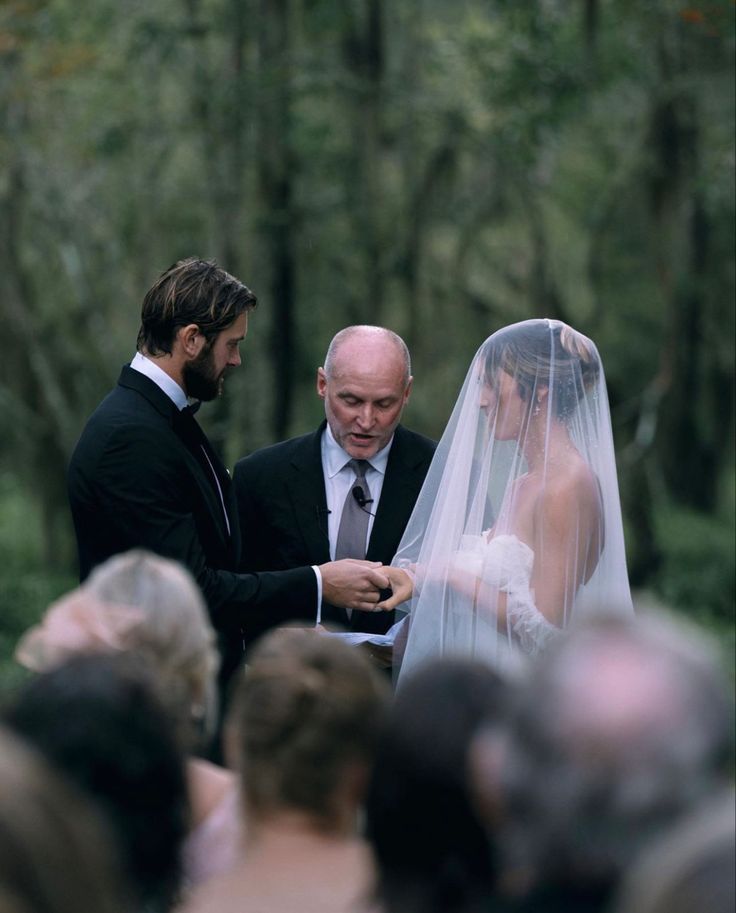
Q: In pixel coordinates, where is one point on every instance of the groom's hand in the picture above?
(353, 584)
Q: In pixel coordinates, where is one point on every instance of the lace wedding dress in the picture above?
(505, 563)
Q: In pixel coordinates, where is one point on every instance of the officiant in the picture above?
(347, 489)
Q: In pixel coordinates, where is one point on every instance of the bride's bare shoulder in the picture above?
(572, 488)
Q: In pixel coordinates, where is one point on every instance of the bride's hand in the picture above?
(402, 587)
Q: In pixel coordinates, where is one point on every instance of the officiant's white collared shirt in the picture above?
(339, 479)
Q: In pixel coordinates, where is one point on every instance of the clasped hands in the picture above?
(355, 584)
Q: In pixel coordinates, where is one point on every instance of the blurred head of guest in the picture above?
(691, 868)
(97, 719)
(306, 719)
(621, 727)
(56, 854)
(149, 607)
(433, 852)
(141, 603)
(302, 729)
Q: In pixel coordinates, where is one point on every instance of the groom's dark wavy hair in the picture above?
(191, 291)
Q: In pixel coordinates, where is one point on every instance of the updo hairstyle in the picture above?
(308, 707)
(175, 635)
(544, 353)
(148, 606)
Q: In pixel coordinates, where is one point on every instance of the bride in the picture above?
(517, 530)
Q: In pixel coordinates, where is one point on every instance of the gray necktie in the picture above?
(353, 530)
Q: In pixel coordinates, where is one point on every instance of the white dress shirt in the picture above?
(169, 386)
(144, 365)
(339, 479)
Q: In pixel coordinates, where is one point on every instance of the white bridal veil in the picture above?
(517, 530)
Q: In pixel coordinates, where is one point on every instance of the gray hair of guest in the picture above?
(620, 728)
(690, 869)
(344, 335)
(175, 637)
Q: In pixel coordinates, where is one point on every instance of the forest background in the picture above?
(442, 167)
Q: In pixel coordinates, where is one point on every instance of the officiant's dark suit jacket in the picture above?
(280, 492)
(138, 478)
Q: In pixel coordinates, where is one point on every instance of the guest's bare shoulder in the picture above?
(208, 786)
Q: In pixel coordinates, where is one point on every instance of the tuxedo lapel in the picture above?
(194, 439)
(306, 489)
(211, 474)
(150, 391)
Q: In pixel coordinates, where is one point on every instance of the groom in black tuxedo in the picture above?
(144, 474)
(291, 496)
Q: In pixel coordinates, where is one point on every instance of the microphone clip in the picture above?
(359, 495)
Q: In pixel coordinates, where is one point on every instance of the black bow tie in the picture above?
(191, 409)
(187, 425)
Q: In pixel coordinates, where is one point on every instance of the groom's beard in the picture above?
(200, 380)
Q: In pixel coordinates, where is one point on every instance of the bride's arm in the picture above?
(483, 595)
(403, 585)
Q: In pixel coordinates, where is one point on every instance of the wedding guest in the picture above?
(433, 853)
(303, 728)
(56, 856)
(151, 607)
(690, 869)
(96, 719)
(621, 727)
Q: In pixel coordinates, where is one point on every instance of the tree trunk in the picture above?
(275, 174)
(689, 459)
(363, 52)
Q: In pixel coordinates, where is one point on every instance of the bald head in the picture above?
(365, 383)
(645, 683)
(360, 341)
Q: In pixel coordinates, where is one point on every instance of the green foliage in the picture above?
(24, 596)
(26, 588)
(697, 574)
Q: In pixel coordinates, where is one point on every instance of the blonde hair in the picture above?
(150, 606)
(308, 707)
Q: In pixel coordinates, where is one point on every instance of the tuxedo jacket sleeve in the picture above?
(282, 506)
(133, 482)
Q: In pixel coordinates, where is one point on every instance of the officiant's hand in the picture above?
(353, 584)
